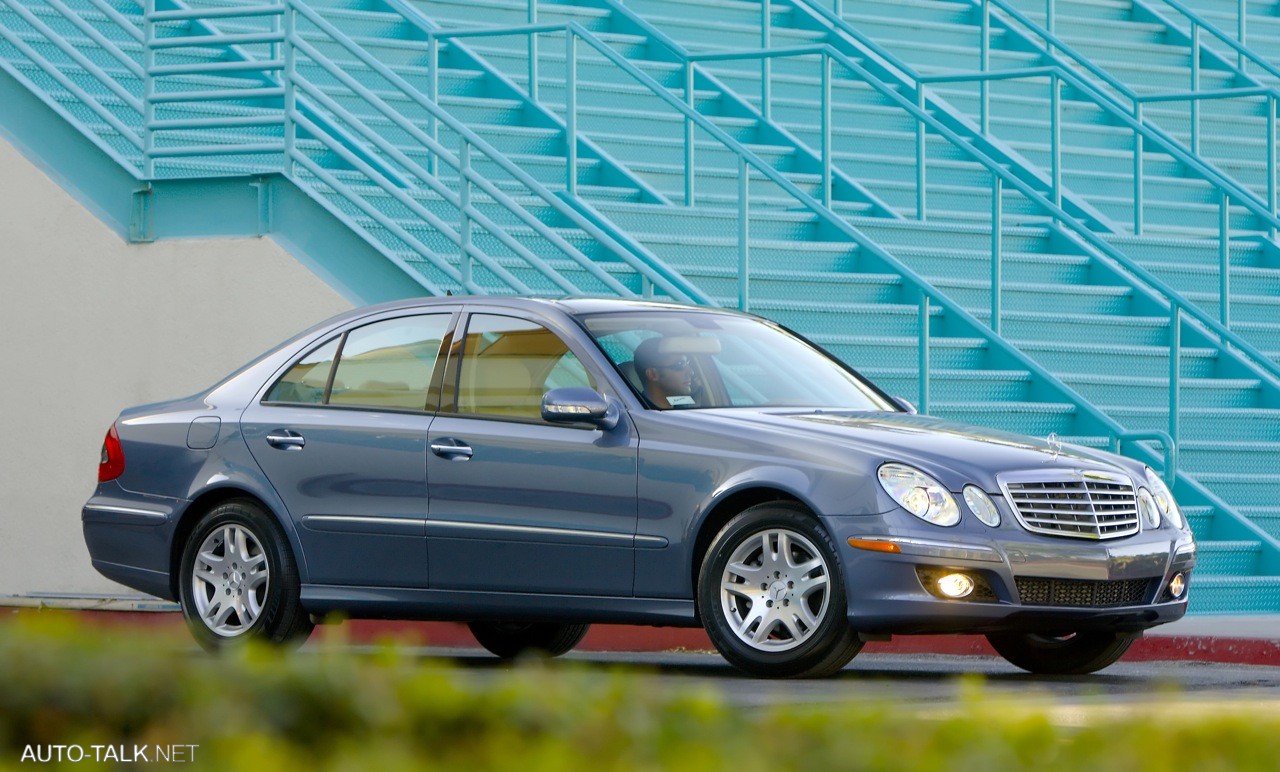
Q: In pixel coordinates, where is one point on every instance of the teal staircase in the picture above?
(430, 150)
(1180, 205)
(812, 297)
(1149, 50)
(1259, 30)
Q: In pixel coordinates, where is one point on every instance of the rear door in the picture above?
(342, 436)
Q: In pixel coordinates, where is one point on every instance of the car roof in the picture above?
(573, 306)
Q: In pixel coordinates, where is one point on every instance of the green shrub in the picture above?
(63, 683)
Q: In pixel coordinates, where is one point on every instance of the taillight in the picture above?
(111, 465)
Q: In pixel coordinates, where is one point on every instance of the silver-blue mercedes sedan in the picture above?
(531, 467)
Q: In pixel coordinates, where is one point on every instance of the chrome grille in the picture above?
(1078, 504)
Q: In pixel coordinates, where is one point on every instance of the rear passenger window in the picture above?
(389, 364)
(304, 383)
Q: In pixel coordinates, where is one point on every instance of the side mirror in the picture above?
(905, 405)
(578, 404)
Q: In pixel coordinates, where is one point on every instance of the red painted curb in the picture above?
(618, 638)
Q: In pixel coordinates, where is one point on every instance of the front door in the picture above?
(343, 438)
(518, 504)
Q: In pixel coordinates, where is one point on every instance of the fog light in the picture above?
(1177, 585)
(955, 585)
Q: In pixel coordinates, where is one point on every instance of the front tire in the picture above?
(771, 595)
(511, 639)
(238, 580)
(1069, 654)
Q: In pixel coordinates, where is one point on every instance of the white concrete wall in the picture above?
(92, 325)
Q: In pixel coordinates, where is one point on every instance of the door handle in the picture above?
(454, 450)
(285, 439)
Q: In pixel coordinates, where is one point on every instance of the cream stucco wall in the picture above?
(91, 325)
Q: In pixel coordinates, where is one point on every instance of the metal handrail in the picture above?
(746, 159)
(1177, 304)
(659, 275)
(652, 271)
(1224, 232)
(1053, 45)
(128, 133)
(1243, 52)
(928, 294)
(681, 54)
(1243, 195)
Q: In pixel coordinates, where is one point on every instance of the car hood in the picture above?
(954, 453)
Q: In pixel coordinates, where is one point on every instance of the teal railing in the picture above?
(1124, 102)
(1129, 116)
(652, 270)
(1196, 22)
(126, 126)
(750, 164)
(264, 71)
(1180, 309)
(296, 128)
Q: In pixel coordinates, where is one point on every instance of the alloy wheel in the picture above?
(230, 579)
(774, 592)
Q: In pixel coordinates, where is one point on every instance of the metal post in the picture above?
(290, 89)
(826, 129)
(571, 110)
(688, 136)
(1048, 22)
(920, 154)
(276, 49)
(1137, 170)
(1175, 369)
(1195, 86)
(1240, 34)
(1055, 138)
(148, 90)
(744, 232)
(533, 52)
(464, 206)
(433, 93)
(997, 247)
(1271, 160)
(924, 354)
(766, 64)
(839, 7)
(1224, 260)
(984, 62)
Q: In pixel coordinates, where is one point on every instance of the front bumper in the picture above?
(1025, 582)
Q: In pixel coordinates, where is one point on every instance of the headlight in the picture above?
(1164, 499)
(981, 505)
(1147, 509)
(919, 494)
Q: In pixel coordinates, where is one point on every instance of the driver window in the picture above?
(508, 364)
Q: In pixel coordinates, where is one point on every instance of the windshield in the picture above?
(695, 359)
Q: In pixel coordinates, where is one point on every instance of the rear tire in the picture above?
(511, 639)
(1070, 654)
(771, 595)
(238, 580)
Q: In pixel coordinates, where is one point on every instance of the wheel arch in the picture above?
(211, 498)
(730, 504)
